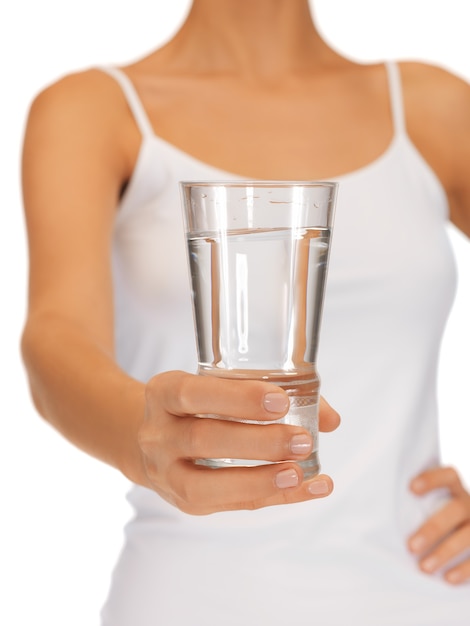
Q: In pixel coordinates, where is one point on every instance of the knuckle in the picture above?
(169, 386)
(453, 475)
(182, 390)
(149, 391)
(152, 434)
(156, 386)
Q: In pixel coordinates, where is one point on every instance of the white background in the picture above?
(62, 512)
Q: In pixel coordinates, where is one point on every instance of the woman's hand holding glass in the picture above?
(172, 437)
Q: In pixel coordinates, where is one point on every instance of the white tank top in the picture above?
(333, 562)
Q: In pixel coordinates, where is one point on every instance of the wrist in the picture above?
(131, 461)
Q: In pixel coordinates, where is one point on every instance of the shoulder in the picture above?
(435, 89)
(89, 95)
(437, 107)
(84, 112)
(436, 100)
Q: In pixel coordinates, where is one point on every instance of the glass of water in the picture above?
(258, 257)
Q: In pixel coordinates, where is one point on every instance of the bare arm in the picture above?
(80, 148)
(73, 168)
(438, 119)
(438, 115)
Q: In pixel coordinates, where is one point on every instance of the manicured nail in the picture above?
(418, 485)
(454, 577)
(287, 478)
(430, 564)
(319, 487)
(276, 402)
(301, 444)
(417, 543)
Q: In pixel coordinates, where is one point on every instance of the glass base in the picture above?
(310, 465)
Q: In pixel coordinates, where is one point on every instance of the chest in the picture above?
(389, 238)
(309, 129)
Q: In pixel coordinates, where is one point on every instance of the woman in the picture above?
(251, 90)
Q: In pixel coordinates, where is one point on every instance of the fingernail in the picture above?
(430, 564)
(319, 487)
(418, 485)
(275, 402)
(301, 444)
(287, 478)
(454, 577)
(417, 543)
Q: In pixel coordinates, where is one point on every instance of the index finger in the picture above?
(438, 478)
(189, 394)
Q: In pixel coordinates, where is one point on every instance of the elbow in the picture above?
(28, 351)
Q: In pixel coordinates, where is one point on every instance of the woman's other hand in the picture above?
(171, 438)
(443, 541)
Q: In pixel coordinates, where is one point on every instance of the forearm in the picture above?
(78, 388)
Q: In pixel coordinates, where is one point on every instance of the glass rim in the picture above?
(258, 183)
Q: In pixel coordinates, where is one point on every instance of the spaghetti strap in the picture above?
(396, 97)
(132, 98)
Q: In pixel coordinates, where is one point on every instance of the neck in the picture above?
(258, 39)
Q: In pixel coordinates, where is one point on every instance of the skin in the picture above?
(239, 70)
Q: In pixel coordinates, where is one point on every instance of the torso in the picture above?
(390, 284)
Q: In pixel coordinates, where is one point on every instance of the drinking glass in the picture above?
(258, 257)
